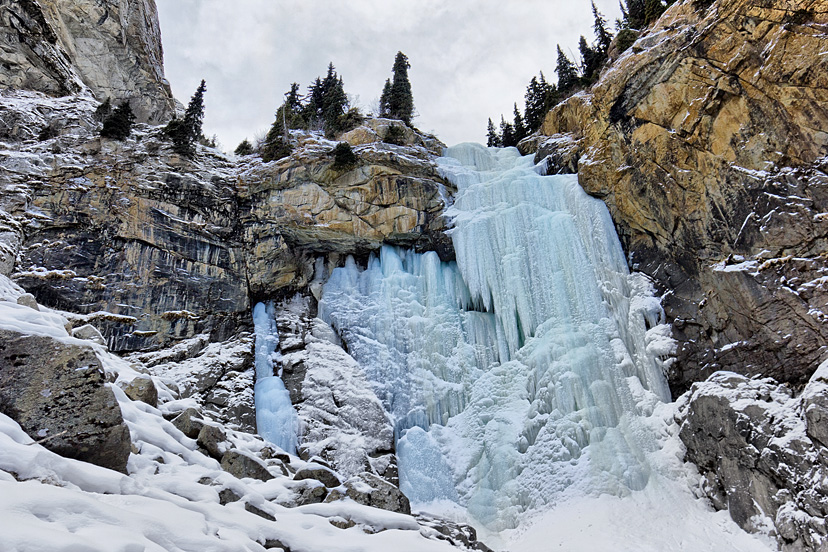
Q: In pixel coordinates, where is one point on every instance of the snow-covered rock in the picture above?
(752, 440)
(341, 419)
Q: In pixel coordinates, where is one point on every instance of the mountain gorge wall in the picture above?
(708, 140)
(111, 48)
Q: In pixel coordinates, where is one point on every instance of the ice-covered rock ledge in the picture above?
(763, 453)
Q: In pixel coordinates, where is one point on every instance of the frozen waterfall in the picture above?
(518, 372)
(276, 420)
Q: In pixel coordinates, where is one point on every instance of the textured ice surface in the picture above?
(525, 364)
(276, 420)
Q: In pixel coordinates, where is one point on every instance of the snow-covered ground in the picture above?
(170, 500)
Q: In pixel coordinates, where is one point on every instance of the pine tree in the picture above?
(185, 132)
(118, 125)
(567, 74)
(275, 145)
(540, 98)
(507, 133)
(492, 137)
(194, 115)
(591, 61)
(653, 10)
(520, 128)
(384, 108)
(635, 14)
(603, 37)
(344, 157)
(328, 103)
(244, 148)
(103, 111)
(291, 114)
(400, 99)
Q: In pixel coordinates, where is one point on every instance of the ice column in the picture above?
(276, 419)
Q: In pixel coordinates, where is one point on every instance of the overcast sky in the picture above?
(470, 59)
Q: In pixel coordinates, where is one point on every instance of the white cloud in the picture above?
(470, 59)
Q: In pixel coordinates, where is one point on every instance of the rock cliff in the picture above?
(152, 248)
(708, 140)
(112, 48)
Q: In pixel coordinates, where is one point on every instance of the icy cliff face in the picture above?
(519, 370)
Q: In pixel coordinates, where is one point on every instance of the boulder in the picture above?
(241, 465)
(28, 300)
(213, 439)
(90, 333)
(359, 136)
(319, 473)
(258, 511)
(226, 496)
(57, 393)
(189, 422)
(142, 389)
(371, 490)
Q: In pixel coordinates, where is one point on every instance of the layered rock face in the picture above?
(113, 48)
(708, 142)
(305, 206)
(151, 248)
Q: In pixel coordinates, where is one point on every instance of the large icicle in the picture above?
(276, 419)
(526, 363)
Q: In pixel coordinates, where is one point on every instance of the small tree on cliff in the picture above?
(244, 148)
(603, 37)
(118, 125)
(385, 99)
(185, 132)
(521, 131)
(492, 137)
(567, 74)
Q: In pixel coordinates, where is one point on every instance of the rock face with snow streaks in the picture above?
(157, 248)
(755, 445)
(113, 48)
(707, 140)
(341, 419)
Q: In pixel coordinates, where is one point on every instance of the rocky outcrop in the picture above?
(153, 248)
(341, 419)
(370, 490)
(218, 376)
(304, 205)
(707, 140)
(113, 48)
(56, 392)
(760, 452)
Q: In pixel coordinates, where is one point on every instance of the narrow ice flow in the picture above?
(276, 420)
(518, 373)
